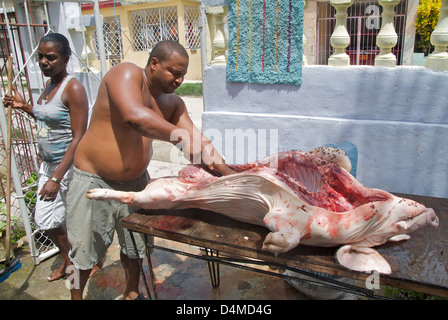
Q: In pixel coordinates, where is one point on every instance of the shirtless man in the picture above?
(133, 107)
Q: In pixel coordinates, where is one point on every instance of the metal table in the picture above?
(418, 264)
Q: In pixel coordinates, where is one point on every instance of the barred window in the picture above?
(192, 31)
(363, 25)
(112, 40)
(150, 26)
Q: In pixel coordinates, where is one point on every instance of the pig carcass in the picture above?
(301, 197)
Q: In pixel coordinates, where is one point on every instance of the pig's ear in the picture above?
(400, 237)
(362, 259)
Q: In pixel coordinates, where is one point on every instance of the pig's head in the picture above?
(391, 220)
(403, 216)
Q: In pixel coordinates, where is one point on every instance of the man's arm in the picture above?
(124, 89)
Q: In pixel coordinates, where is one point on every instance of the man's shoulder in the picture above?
(124, 67)
(171, 99)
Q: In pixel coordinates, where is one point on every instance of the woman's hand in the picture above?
(49, 191)
(16, 101)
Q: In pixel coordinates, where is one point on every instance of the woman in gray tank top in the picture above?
(61, 113)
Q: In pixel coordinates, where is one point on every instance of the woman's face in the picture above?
(51, 62)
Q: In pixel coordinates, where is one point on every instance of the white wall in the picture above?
(396, 117)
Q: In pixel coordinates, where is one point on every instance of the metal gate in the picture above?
(16, 39)
(363, 26)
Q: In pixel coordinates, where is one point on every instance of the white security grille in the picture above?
(151, 26)
(112, 40)
(192, 31)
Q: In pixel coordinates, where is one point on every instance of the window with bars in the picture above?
(192, 31)
(150, 26)
(363, 25)
(112, 40)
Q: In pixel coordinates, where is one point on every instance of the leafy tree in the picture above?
(427, 17)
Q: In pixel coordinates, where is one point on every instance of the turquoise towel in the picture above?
(265, 41)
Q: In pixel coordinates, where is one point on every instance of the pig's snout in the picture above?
(431, 218)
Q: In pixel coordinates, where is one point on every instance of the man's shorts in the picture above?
(51, 214)
(91, 223)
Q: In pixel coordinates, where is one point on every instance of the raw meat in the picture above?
(301, 197)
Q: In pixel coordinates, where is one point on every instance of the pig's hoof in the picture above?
(97, 194)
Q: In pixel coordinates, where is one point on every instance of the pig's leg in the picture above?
(279, 242)
(109, 194)
(140, 199)
(163, 193)
(284, 235)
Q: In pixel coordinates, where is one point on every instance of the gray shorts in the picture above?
(91, 224)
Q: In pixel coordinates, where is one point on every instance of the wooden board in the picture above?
(418, 264)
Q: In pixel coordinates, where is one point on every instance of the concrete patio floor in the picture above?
(177, 278)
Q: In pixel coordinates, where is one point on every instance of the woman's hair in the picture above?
(61, 40)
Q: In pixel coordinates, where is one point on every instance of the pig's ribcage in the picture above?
(243, 197)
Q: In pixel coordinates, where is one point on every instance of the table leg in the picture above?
(149, 241)
(213, 267)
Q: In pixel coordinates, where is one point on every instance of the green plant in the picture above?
(190, 89)
(2, 218)
(17, 229)
(427, 17)
(31, 196)
(401, 294)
